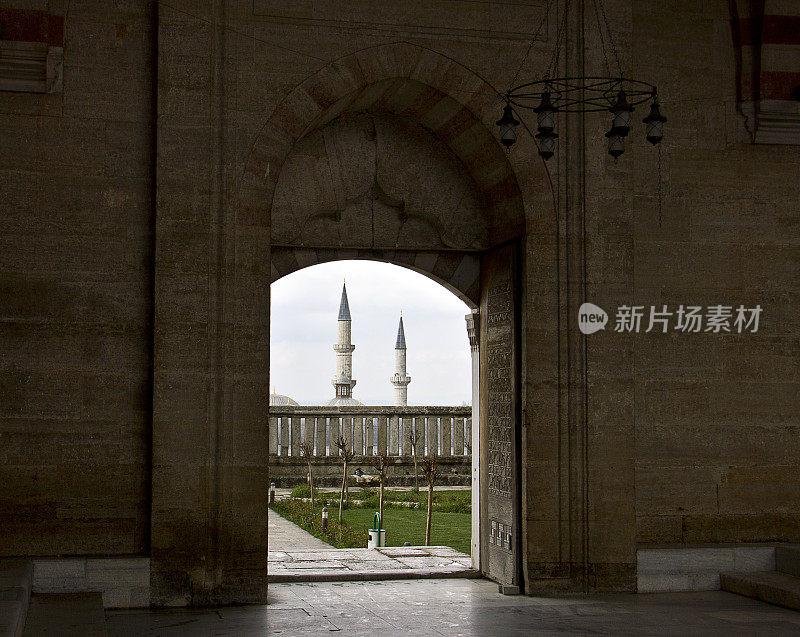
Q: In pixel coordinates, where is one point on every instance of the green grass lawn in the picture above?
(408, 525)
(402, 524)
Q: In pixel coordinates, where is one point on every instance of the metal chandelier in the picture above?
(613, 93)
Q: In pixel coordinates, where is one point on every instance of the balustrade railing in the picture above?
(445, 431)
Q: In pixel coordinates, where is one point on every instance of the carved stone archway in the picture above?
(389, 154)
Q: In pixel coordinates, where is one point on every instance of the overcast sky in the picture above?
(305, 306)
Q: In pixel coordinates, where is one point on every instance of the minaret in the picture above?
(400, 379)
(343, 382)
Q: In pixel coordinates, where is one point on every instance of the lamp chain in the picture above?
(556, 52)
(659, 185)
(602, 39)
(530, 45)
(610, 36)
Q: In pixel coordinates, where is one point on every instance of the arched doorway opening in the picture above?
(382, 309)
(395, 169)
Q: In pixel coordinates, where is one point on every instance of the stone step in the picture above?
(66, 615)
(787, 559)
(768, 586)
(16, 578)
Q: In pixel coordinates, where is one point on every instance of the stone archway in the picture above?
(379, 186)
(208, 516)
(395, 169)
(446, 98)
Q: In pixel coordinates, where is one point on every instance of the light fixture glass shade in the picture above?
(616, 143)
(546, 120)
(654, 124)
(508, 136)
(622, 120)
(622, 114)
(547, 144)
(545, 114)
(508, 123)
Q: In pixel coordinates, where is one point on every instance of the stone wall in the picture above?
(666, 438)
(716, 416)
(76, 297)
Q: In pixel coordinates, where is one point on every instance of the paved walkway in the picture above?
(461, 607)
(287, 536)
(297, 556)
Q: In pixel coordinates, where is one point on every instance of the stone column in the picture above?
(473, 324)
(210, 461)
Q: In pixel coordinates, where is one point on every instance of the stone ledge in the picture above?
(772, 121)
(31, 67)
(365, 410)
(373, 576)
(697, 568)
(771, 587)
(123, 581)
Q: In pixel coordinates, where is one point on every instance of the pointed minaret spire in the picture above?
(344, 306)
(401, 335)
(400, 379)
(343, 381)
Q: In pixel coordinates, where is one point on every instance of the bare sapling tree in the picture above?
(346, 454)
(429, 464)
(381, 463)
(307, 450)
(413, 440)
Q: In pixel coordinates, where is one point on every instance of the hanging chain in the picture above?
(610, 36)
(659, 185)
(556, 53)
(602, 39)
(530, 46)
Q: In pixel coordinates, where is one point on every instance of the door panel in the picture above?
(500, 426)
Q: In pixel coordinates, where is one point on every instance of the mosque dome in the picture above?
(340, 401)
(279, 400)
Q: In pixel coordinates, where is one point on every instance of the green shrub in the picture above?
(301, 491)
(339, 535)
(368, 497)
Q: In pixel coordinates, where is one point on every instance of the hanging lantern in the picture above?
(616, 142)
(547, 143)
(654, 123)
(545, 114)
(508, 123)
(622, 114)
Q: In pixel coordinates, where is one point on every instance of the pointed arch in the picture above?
(447, 98)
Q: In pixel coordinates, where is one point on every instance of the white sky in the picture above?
(305, 306)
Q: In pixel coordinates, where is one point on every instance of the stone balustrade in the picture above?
(444, 431)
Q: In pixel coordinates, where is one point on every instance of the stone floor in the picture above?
(66, 615)
(461, 607)
(297, 556)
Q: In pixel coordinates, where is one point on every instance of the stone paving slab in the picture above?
(298, 556)
(404, 562)
(405, 551)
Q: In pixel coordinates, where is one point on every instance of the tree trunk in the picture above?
(430, 515)
(311, 483)
(341, 494)
(416, 473)
(380, 503)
